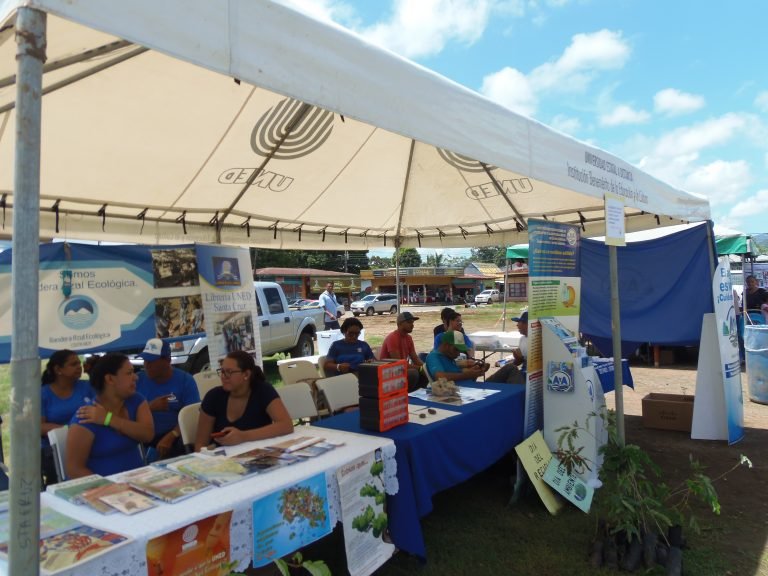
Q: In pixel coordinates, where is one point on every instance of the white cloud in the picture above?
(510, 88)
(572, 71)
(328, 10)
(761, 102)
(720, 181)
(423, 28)
(694, 138)
(673, 102)
(566, 124)
(624, 114)
(751, 206)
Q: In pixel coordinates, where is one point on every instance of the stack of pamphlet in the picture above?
(73, 491)
(64, 541)
(163, 483)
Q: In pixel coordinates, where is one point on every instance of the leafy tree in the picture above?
(351, 261)
(380, 262)
(436, 260)
(409, 257)
(490, 254)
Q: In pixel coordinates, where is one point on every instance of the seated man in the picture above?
(514, 372)
(454, 322)
(442, 363)
(442, 327)
(168, 390)
(399, 345)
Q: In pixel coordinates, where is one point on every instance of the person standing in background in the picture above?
(331, 306)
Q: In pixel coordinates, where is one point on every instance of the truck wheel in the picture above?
(304, 347)
(393, 310)
(356, 314)
(201, 362)
(370, 312)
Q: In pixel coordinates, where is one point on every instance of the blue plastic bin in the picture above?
(756, 346)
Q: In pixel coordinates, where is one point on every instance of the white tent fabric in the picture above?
(184, 120)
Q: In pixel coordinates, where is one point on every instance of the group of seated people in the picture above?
(119, 419)
(118, 416)
(443, 361)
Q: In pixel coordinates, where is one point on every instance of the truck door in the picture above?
(276, 321)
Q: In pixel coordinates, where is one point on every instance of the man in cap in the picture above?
(168, 390)
(441, 362)
(514, 372)
(399, 345)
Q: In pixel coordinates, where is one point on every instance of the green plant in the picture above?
(314, 567)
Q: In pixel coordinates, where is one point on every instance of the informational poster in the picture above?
(535, 455)
(289, 519)
(229, 302)
(718, 384)
(615, 231)
(199, 549)
(363, 514)
(569, 486)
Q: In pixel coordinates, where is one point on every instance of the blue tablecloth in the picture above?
(435, 457)
(605, 370)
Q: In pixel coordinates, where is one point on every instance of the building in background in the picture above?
(309, 283)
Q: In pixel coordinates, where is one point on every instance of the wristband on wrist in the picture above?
(108, 419)
(175, 433)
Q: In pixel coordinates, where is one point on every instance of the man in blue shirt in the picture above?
(168, 390)
(330, 305)
(441, 362)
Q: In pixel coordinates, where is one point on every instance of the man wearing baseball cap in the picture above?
(168, 390)
(399, 345)
(441, 362)
(514, 372)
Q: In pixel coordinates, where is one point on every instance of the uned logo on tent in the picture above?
(463, 163)
(290, 130)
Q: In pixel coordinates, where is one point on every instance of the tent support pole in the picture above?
(616, 331)
(504, 308)
(25, 360)
(400, 222)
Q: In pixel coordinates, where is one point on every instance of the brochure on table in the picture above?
(571, 392)
(718, 412)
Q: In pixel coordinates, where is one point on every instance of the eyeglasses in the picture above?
(227, 373)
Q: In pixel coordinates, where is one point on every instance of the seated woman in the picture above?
(347, 354)
(62, 394)
(104, 436)
(245, 407)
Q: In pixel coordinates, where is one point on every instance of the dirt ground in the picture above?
(740, 533)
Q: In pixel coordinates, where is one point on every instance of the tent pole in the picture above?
(25, 360)
(504, 308)
(397, 277)
(616, 330)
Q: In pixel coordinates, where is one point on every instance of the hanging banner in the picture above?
(366, 536)
(615, 233)
(229, 302)
(288, 519)
(200, 548)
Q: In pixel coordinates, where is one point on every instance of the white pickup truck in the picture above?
(281, 329)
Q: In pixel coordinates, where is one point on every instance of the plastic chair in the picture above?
(188, 419)
(298, 401)
(298, 370)
(321, 366)
(340, 392)
(205, 381)
(58, 440)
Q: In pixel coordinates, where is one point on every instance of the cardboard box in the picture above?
(668, 411)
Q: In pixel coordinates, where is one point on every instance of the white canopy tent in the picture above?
(245, 122)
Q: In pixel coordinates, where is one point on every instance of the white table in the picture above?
(130, 560)
(314, 359)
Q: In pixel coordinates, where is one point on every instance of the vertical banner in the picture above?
(200, 548)
(727, 339)
(229, 301)
(554, 289)
(361, 488)
(615, 233)
(290, 518)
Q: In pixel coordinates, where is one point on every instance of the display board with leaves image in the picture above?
(369, 520)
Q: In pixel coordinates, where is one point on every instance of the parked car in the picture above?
(487, 297)
(375, 304)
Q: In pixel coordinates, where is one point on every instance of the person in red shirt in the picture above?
(399, 345)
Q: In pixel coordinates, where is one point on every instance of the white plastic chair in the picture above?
(321, 366)
(340, 392)
(298, 370)
(58, 440)
(298, 400)
(189, 416)
(205, 381)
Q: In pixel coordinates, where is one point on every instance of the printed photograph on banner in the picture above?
(201, 548)
(179, 316)
(174, 267)
(227, 270)
(364, 515)
(289, 519)
(234, 331)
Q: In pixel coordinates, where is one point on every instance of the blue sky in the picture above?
(677, 88)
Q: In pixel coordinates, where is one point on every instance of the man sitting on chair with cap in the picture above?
(398, 345)
(168, 390)
(514, 372)
(441, 362)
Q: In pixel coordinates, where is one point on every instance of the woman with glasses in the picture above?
(245, 407)
(62, 394)
(104, 436)
(347, 354)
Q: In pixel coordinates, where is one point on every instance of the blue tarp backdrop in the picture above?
(664, 290)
